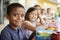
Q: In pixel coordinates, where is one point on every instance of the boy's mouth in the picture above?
(19, 21)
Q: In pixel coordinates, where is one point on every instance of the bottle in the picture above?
(56, 16)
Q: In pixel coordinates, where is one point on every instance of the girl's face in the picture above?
(39, 10)
(49, 11)
(43, 12)
(33, 15)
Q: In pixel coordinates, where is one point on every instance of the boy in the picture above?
(15, 15)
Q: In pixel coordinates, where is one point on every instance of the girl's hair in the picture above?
(48, 9)
(32, 35)
(42, 10)
(37, 6)
(28, 12)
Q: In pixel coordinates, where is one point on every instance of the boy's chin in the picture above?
(18, 25)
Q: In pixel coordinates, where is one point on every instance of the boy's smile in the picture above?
(16, 16)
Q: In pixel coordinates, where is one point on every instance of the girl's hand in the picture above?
(38, 24)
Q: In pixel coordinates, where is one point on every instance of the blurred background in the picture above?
(53, 4)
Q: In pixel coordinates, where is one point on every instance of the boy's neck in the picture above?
(14, 27)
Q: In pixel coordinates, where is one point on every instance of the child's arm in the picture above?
(28, 26)
(41, 20)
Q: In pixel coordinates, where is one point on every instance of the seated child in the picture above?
(30, 23)
(13, 31)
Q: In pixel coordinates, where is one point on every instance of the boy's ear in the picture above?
(7, 16)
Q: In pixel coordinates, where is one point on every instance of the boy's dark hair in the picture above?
(13, 5)
(28, 12)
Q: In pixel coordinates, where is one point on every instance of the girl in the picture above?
(30, 21)
(39, 19)
(43, 15)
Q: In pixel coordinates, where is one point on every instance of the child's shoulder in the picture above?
(6, 29)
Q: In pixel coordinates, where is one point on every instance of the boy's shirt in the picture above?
(10, 34)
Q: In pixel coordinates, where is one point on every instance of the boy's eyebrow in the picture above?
(18, 13)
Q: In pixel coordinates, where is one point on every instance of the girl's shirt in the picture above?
(28, 32)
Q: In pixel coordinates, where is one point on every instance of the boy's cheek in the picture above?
(13, 18)
(23, 19)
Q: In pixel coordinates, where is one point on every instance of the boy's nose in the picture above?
(19, 17)
(33, 15)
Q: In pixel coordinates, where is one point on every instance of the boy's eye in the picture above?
(15, 14)
(22, 15)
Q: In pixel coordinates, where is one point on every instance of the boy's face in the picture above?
(16, 16)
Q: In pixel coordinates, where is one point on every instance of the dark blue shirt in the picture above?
(10, 34)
